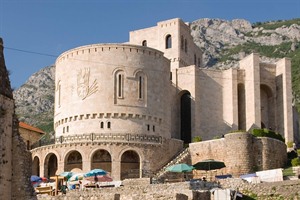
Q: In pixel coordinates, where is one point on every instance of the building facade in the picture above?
(129, 108)
(30, 134)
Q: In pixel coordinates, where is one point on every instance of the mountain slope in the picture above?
(35, 99)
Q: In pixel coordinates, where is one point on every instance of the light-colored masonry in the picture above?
(128, 108)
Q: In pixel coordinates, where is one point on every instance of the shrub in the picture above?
(289, 144)
(292, 155)
(295, 162)
(267, 133)
(298, 152)
(197, 139)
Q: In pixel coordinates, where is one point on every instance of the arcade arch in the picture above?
(36, 166)
(130, 164)
(50, 165)
(101, 159)
(73, 160)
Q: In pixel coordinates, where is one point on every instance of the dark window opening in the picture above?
(144, 43)
(168, 42)
(108, 124)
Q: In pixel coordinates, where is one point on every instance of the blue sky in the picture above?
(54, 26)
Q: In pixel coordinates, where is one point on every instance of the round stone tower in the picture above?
(112, 89)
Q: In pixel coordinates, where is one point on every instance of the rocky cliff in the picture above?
(223, 42)
(35, 99)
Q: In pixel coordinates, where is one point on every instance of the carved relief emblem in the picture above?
(84, 88)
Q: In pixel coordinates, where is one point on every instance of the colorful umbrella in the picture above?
(182, 167)
(76, 177)
(67, 174)
(35, 178)
(95, 172)
(99, 178)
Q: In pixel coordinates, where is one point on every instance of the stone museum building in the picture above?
(129, 108)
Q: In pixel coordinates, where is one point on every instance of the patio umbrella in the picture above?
(100, 178)
(67, 174)
(182, 167)
(76, 177)
(95, 172)
(35, 178)
(209, 164)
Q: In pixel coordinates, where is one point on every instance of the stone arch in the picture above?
(185, 116)
(130, 164)
(36, 166)
(241, 107)
(73, 159)
(101, 159)
(267, 107)
(50, 165)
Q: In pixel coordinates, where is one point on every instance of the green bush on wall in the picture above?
(197, 139)
(295, 162)
(267, 133)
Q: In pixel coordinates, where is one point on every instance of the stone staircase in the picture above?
(180, 158)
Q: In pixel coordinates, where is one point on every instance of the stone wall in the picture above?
(15, 168)
(242, 153)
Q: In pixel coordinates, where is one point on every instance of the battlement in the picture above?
(98, 48)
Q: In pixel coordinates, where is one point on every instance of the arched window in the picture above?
(101, 124)
(144, 43)
(185, 46)
(108, 125)
(168, 42)
(182, 43)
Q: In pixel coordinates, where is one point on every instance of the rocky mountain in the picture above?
(223, 43)
(35, 99)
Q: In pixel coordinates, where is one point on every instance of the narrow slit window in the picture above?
(101, 125)
(140, 87)
(108, 125)
(67, 129)
(153, 128)
(148, 127)
(120, 85)
(63, 129)
(195, 59)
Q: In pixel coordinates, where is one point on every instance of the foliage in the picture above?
(288, 172)
(277, 24)
(267, 133)
(289, 144)
(238, 131)
(295, 162)
(292, 154)
(298, 152)
(197, 139)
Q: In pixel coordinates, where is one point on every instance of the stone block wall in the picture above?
(15, 160)
(241, 152)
